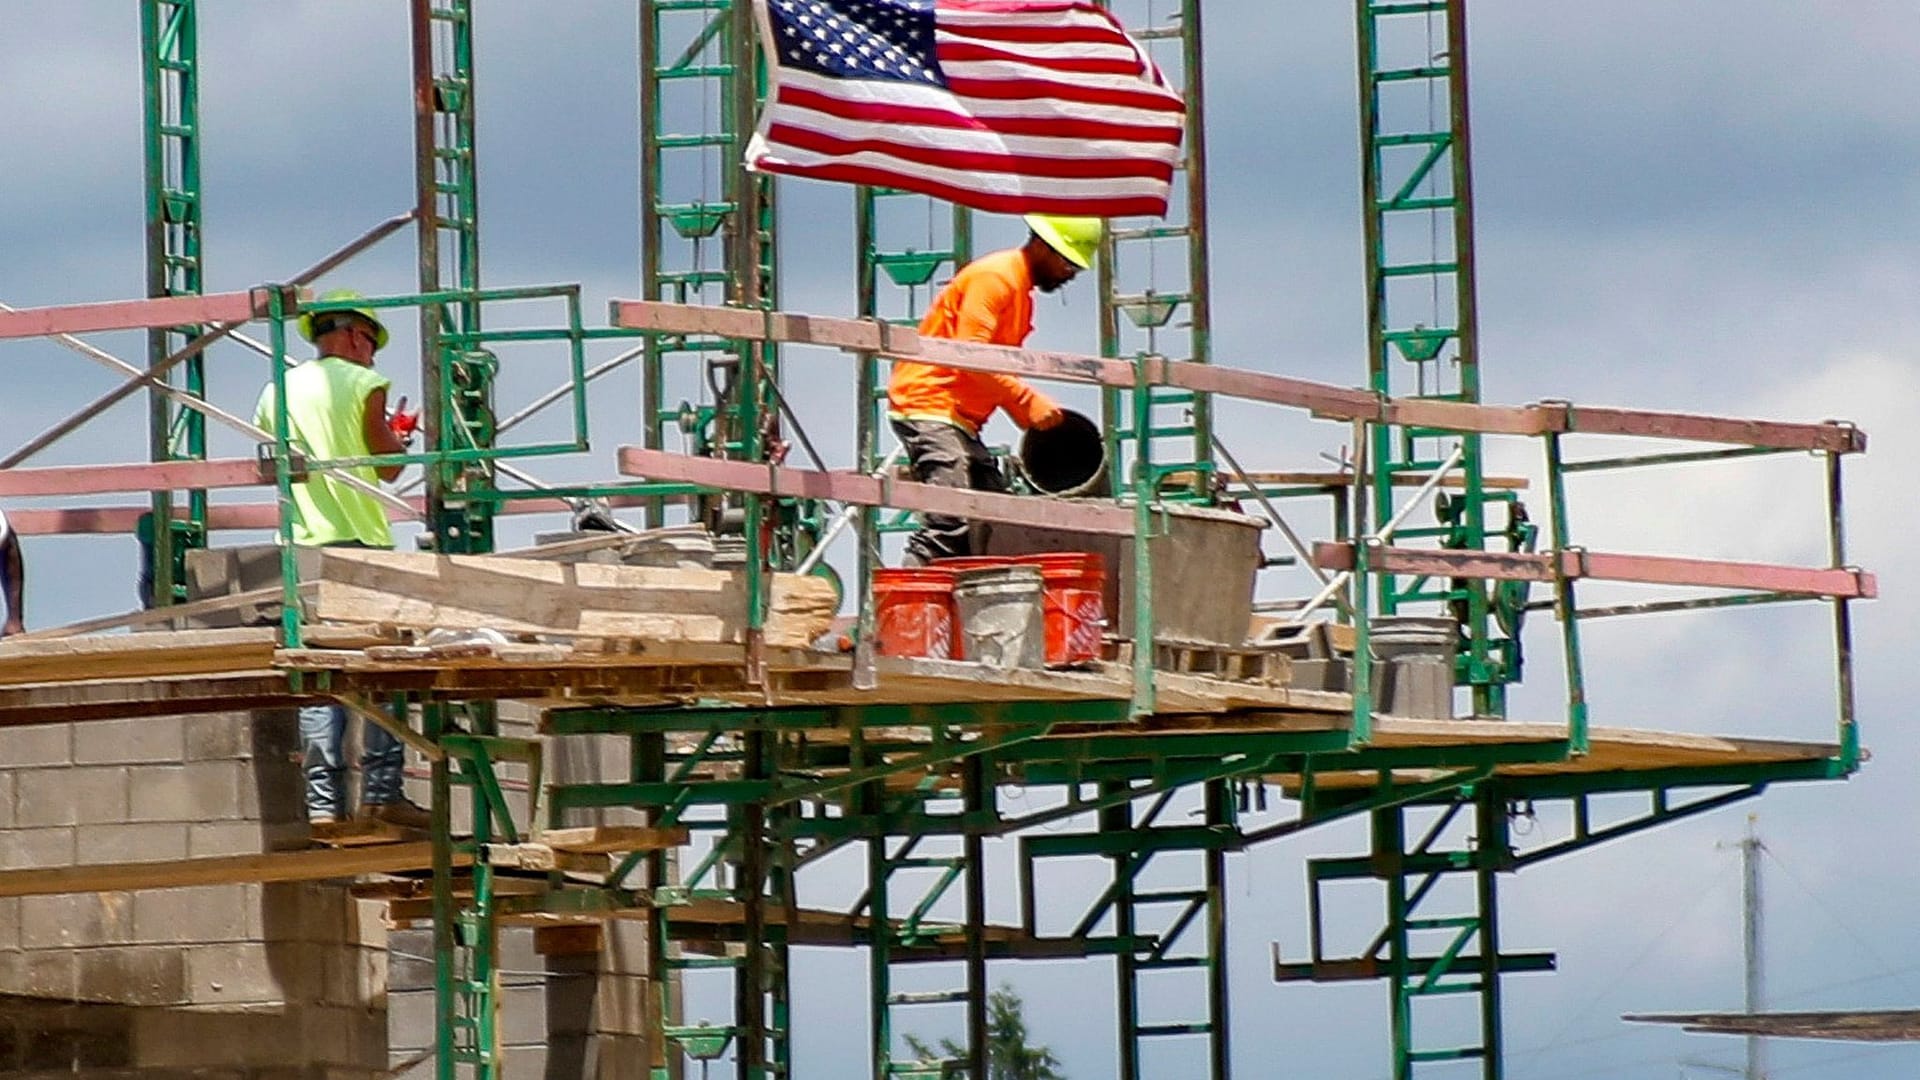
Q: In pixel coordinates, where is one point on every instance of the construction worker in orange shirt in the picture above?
(937, 412)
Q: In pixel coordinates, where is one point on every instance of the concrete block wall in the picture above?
(572, 1015)
(247, 982)
(257, 982)
(565, 1015)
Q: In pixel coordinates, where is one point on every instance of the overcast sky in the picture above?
(1701, 207)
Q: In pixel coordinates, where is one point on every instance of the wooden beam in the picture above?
(469, 592)
(184, 652)
(864, 490)
(392, 725)
(1845, 584)
(155, 314)
(608, 839)
(1322, 399)
(315, 865)
(145, 616)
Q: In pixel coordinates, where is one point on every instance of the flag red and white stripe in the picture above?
(1022, 106)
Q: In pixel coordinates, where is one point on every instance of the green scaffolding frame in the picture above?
(785, 798)
(170, 80)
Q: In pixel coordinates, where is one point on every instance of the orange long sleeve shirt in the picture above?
(991, 301)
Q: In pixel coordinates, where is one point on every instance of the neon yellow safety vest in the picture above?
(326, 411)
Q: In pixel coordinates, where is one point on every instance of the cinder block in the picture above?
(74, 920)
(353, 976)
(23, 849)
(208, 913)
(71, 1048)
(151, 842)
(274, 792)
(625, 950)
(306, 912)
(160, 794)
(146, 741)
(570, 1002)
(70, 796)
(6, 800)
(200, 791)
(218, 737)
(36, 746)
(523, 1014)
(530, 1062)
(9, 927)
(621, 1005)
(200, 1038)
(244, 973)
(275, 734)
(51, 974)
(243, 838)
(409, 1020)
(367, 925)
(367, 1039)
(152, 975)
(409, 961)
(612, 1057)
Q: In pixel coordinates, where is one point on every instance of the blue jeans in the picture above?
(323, 730)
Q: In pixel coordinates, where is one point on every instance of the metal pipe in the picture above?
(540, 403)
(841, 520)
(1385, 534)
(152, 376)
(1293, 539)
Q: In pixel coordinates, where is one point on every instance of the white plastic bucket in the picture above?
(1002, 617)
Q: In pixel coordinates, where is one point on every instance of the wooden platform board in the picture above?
(1611, 749)
(174, 672)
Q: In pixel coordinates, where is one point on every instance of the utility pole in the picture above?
(1750, 849)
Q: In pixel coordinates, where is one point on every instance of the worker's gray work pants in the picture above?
(947, 456)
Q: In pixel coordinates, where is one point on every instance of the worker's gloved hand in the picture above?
(402, 423)
(1047, 414)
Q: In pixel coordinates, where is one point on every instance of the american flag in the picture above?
(1013, 106)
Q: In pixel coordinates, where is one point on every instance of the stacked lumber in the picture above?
(526, 596)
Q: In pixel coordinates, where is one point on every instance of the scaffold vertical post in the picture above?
(1145, 483)
(1421, 306)
(1842, 615)
(1565, 601)
(458, 373)
(978, 797)
(1138, 310)
(1219, 817)
(170, 75)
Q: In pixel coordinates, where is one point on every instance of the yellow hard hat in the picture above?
(367, 313)
(1077, 239)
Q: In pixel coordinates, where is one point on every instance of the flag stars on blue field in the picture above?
(873, 39)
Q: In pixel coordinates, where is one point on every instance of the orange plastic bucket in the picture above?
(1074, 601)
(913, 613)
(960, 564)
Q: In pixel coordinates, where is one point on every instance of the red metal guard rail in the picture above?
(864, 490)
(1844, 583)
(91, 520)
(1335, 402)
(161, 476)
(152, 314)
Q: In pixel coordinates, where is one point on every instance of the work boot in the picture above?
(402, 813)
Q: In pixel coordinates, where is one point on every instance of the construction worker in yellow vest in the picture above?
(337, 408)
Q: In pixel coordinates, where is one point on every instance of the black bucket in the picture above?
(1069, 458)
